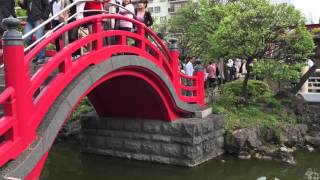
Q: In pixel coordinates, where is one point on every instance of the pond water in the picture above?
(66, 162)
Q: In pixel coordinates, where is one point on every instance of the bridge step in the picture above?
(186, 142)
(204, 113)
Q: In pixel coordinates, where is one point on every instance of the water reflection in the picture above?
(66, 162)
(312, 174)
(265, 178)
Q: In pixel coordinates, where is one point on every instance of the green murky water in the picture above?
(65, 162)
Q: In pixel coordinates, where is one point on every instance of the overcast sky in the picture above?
(310, 8)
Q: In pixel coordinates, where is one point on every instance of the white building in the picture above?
(162, 10)
(282, 1)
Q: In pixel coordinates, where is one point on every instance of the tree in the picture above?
(249, 27)
(194, 23)
(278, 71)
(159, 27)
(316, 58)
(181, 26)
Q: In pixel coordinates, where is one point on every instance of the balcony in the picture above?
(178, 1)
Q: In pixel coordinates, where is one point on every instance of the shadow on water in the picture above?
(65, 162)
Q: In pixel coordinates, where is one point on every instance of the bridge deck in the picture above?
(311, 97)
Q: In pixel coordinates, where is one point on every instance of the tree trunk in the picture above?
(304, 78)
(245, 81)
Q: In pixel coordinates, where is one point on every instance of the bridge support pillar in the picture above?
(174, 52)
(187, 142)
(17, 77)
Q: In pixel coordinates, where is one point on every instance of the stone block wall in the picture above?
(186, 142)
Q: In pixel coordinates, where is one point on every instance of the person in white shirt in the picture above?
(229, 67)
(189, 72)
(189, 67)
(310, 63)
(127, 12)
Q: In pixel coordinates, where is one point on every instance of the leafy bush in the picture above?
(256, 90)
(263, 109)
(83, 107)
(278, 70)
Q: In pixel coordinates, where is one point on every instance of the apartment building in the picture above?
(162, 10)
(282, 1)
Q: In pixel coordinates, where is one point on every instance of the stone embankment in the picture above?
(186, 142)
(189, 142)
(278, 143)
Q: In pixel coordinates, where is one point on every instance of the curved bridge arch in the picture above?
(27, 132)
(91, 78)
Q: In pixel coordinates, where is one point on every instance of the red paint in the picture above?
(130, 92)
(93, 6)
(1, 56)
(149, 98)
(36, 172)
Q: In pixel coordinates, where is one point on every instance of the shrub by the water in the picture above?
(262, 108)
(256, 90)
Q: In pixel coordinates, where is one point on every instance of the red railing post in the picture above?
(141, 32)
(97, 28)
(174, 53)
(16, 76)
(200, 87)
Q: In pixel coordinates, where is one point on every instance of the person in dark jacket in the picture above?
(37, 12)
(6, 10)
(143, 15)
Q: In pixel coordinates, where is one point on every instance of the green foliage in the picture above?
(257, 90)
(243, 29)
(83, 107)
(159, 27)
(278, 71)
(21, 13)
(193, 24)
(296, 46)
(249, 26)
(264, 109)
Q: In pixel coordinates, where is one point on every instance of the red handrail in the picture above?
(30, 55)
(35, 106)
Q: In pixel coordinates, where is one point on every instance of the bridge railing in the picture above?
(312, 85)
(8, 126)
(26, 95)
(192, 88)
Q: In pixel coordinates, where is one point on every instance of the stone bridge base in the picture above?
(186, 142)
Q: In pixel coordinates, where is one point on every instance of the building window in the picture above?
(171, 9)
(163, 19)
(157, 9)
(150, 9)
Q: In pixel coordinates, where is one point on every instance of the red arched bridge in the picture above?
(120, 80)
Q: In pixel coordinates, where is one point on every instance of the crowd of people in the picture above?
(216, 73)
(40, 10)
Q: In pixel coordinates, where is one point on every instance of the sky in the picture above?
(310, 8)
